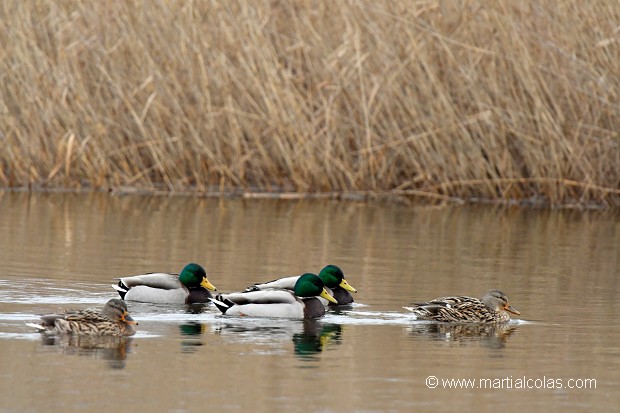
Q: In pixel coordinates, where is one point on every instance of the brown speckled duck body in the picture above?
(112, 320)
(492, 308)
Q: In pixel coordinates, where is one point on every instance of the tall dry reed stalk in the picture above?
(463, 99)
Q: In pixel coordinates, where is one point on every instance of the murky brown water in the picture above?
(560, 269)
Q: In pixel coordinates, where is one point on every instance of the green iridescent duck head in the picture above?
(310, 285)
(333, 277)
(193, 276)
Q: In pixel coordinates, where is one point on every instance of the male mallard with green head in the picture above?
(333, 279)
(113, 320)
(492, 308)
(300, 303)
(189, 287)
(337, 285)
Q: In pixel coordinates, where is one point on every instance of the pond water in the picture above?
(559, 268)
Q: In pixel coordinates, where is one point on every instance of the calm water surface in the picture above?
(559, 268)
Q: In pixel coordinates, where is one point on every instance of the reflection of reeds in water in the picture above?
(435, 99)
(490, 334)
(112, 349)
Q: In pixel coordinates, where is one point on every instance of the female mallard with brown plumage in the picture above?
(492, 308)
(113, 320)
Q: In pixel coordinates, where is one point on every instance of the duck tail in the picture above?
(39, 327)
(121, 288)
(222, 306)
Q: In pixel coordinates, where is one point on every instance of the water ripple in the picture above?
(40, 291)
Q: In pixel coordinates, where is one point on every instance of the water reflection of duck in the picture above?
(191, 333)
(494, 335)
(189, 287)
(111, 348)
(242, 331)
(300, 303)
(309, 337)
(492, 308)
(113, 320)
(333, 278)
(192, 329)
(315, 337)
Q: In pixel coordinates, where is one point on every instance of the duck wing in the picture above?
(258, 297)
(159, 280)
(286, 283)
(86, 316)
(268, 303)
(443, 302)
(453, 309)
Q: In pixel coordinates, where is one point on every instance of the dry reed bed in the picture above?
(450, 100)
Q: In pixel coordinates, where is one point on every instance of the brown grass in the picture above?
(464, 100)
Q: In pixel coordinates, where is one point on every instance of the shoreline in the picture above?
(411, 197)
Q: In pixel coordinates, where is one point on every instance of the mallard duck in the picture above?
(333, 279)
(300, 303)
(113, 320)
(492, 308)
(337, 285)
(189, 287)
